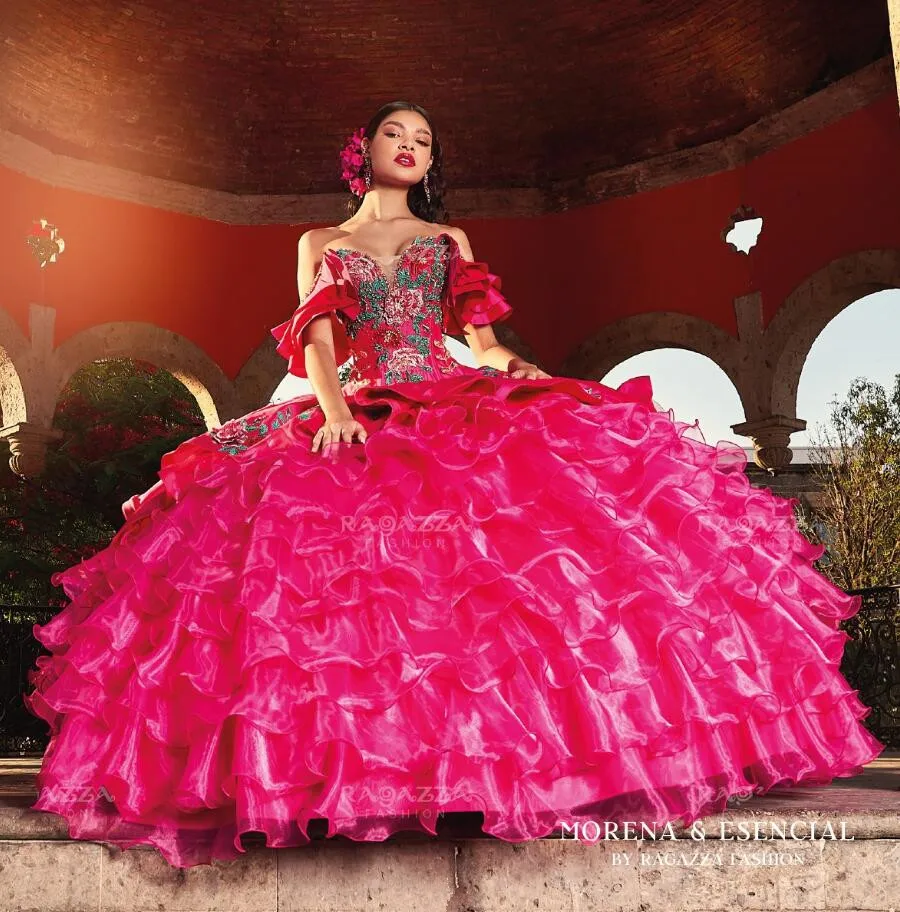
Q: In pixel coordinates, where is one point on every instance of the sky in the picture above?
(861, 341)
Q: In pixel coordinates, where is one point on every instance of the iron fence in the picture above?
(871, 658)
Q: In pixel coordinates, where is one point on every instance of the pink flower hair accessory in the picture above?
(352, 160)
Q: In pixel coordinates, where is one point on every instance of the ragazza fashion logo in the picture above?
(75, 794)
(442, 521)
(420, 801)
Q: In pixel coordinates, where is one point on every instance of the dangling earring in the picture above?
(367, 172)
(425, 184)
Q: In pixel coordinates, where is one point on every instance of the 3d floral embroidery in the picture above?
(390, 338)
(404, 359)
(231, 433)
(393, 320)
(419, 260)
(445, 360)
(401, 303)
(363, 269)
(239, 434)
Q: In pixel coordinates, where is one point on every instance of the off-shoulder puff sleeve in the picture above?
(471, 295)
(333, 293)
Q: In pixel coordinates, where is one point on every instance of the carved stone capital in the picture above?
(771, 439)
(28, 447)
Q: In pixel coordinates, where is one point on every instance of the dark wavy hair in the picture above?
(433, 211)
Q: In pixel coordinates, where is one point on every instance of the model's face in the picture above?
(401, 148)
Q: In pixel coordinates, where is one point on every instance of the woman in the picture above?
(435, 587)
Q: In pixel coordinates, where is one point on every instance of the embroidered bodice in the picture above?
(390, 314)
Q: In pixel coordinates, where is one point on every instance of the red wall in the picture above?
(827, 195)
(567, 275)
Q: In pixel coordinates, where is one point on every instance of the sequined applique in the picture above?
(446, 362)
(239, 434)
(397, 334)
(404, 364)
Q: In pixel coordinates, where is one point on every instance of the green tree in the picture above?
(856, 465)
(119, 418)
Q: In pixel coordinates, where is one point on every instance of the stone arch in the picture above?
(168, 350)
(12, 393)
(813, 304)
(258, 379)
(13, 349)
(639, 333)
(509, 338)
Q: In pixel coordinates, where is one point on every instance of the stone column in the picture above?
(771, 439)
(894, 19)
(28, 447)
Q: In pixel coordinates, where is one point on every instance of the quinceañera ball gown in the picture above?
(541, 600)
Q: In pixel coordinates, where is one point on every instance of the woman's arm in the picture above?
(487, 350)
(318, 337)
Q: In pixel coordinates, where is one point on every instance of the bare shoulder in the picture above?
(313, 242)
(310, 252)
(459, 236)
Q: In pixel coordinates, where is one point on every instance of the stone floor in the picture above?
(871, 801)
(464, 871)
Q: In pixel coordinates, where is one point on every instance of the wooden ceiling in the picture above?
(258, 98)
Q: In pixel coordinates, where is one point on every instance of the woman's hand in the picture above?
(338, 431)
(525, 370)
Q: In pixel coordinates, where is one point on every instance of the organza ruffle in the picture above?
(543, 600)
(471, 293)
(333, 293)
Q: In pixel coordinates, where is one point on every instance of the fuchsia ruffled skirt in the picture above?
(542, 600)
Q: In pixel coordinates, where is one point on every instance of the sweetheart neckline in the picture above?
(395, 256)
(390, 282)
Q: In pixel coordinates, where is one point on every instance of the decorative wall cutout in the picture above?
(744, 229)
(45, 242)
